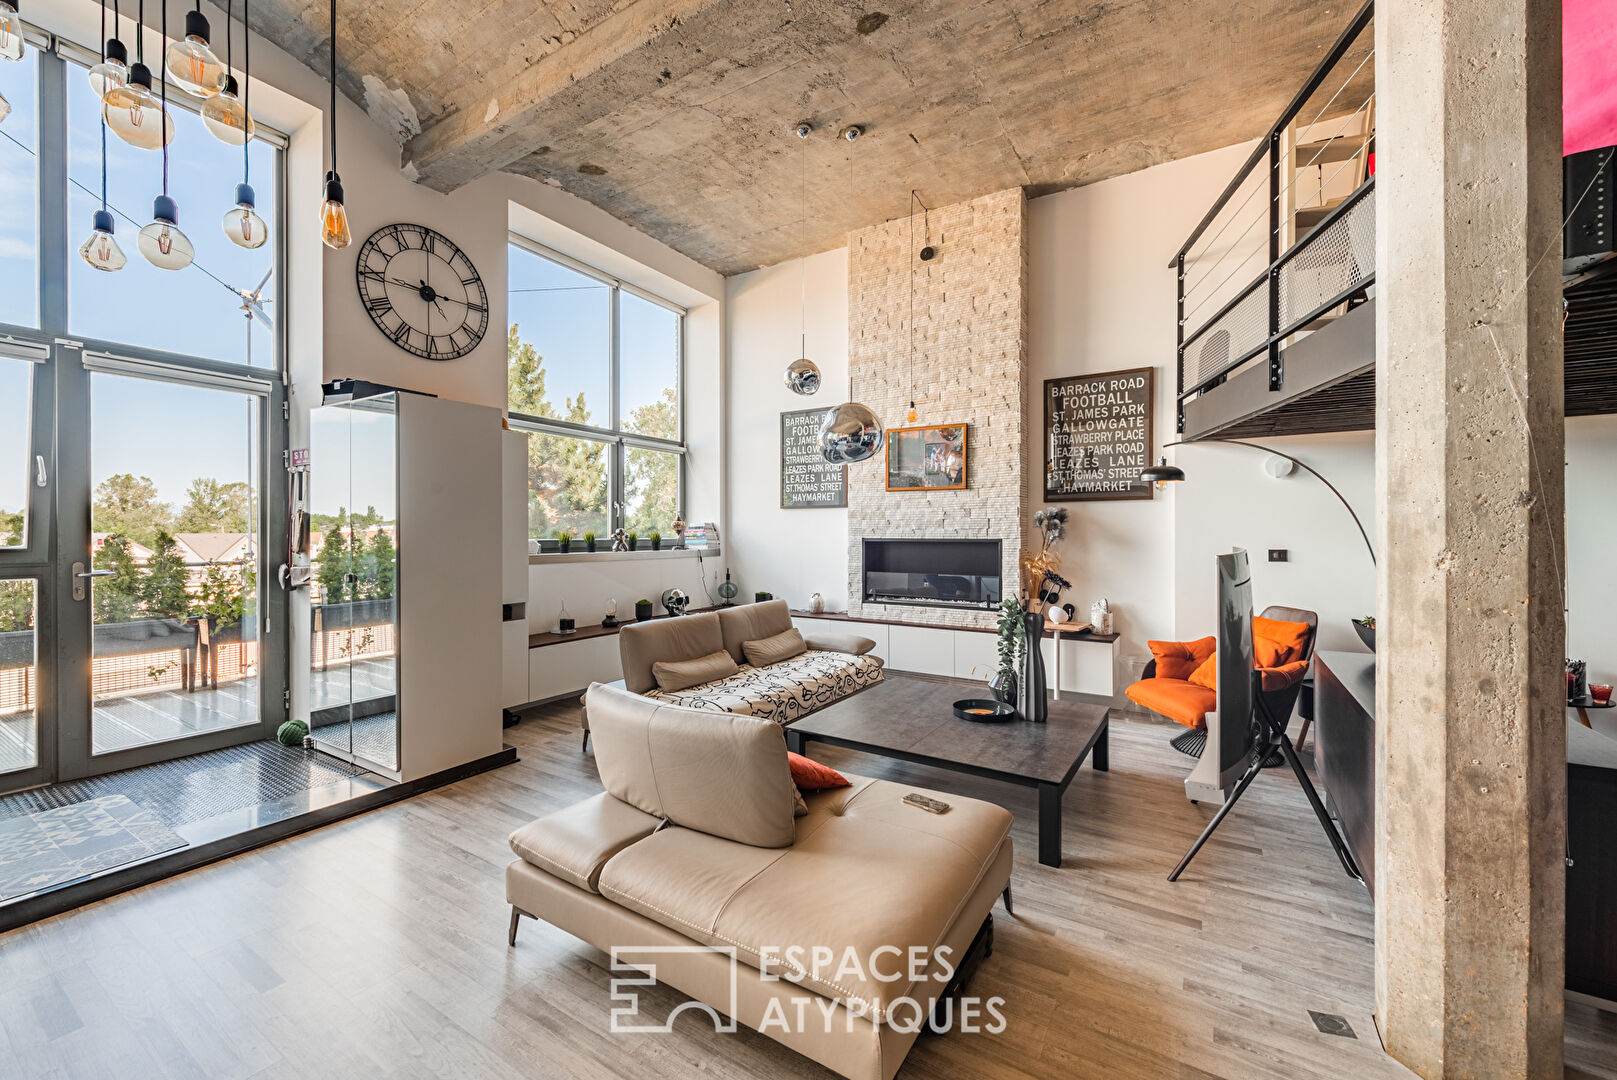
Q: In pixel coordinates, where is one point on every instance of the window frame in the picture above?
(618, 441)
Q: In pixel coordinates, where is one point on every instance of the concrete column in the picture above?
(1471, 766)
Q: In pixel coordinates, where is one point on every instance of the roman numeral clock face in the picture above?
(422, 292)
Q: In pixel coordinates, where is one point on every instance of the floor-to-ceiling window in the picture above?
(141, 421)
(594, 374)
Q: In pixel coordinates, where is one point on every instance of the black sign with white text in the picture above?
(1097, 436)
(807, 480)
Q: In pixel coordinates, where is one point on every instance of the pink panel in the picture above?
(1589, 88)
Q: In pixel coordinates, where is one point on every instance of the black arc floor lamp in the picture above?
(1270, 736)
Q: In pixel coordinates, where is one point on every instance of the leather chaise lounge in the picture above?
(692, 856)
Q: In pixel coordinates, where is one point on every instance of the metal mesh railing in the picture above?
(1334, 260)
(1235, 333)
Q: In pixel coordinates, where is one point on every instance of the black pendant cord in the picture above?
(246, 88)
(162, 78)
(802, 224)
(333, 86)
(103, 112)
(912, 298)
(140, 33)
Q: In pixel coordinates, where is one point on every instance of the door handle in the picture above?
(80, 574)
(39, 470)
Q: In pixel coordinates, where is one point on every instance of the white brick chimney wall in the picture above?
(970, 367)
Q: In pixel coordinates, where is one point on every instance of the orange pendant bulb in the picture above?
(912, 415)
(333, 216)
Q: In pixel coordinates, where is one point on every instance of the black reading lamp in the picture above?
(1163, 473)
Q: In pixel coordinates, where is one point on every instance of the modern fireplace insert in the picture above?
(932, 573)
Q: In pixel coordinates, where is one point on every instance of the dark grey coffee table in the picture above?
(911, 717)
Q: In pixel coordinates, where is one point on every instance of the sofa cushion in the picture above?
(782, 692)
(1177, 659)
(867, 874)
(1177, 699)
(775, 648)
(810, 775)
(848, 643)
(1206, 673)
(679, 674)
(1276, 643)
(686, 638)
(752, 622)
(573, 844)
(724, 775)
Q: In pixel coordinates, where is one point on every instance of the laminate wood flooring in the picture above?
(375, 947)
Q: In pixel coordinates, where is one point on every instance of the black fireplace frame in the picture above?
(990, 601)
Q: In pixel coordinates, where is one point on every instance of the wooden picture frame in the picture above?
(928, 458)
(1118, 413)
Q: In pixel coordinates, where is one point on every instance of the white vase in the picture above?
(816, 603)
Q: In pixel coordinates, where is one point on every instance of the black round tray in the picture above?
(1000, 713)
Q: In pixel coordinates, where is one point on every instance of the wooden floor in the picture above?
(376, 948)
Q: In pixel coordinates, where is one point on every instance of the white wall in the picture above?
(1591, 569)
(791, 553)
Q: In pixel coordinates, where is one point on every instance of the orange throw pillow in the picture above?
(812, 776)
(1177, 659)
(1276, 643)
(1207, 673)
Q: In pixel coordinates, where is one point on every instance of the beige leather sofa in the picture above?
(832, 668)
(691, 866)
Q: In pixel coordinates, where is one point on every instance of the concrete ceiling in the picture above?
(676, 115)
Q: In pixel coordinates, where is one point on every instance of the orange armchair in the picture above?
(1181, 679)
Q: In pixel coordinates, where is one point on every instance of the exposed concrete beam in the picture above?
(477, 137)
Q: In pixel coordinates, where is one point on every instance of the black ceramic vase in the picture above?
(1034, 706)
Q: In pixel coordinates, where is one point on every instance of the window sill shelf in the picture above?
(620, 556)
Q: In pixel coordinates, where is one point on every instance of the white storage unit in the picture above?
(928, 650)
(563, 668)
(513, 569)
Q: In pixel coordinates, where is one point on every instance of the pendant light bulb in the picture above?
(162, 242)
(135, 115)
(10, 31)
(225, 116)
(243, 225)
(112, 72)
(190, 61)
(911, 416)
(101, 250)
(333, 217)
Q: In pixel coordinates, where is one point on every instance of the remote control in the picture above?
(930, 805)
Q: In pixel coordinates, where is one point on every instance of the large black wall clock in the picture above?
(422, 292)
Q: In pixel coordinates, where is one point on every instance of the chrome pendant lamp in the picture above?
(162, 243)
(803, 374)
(243, 226)
(850, 432)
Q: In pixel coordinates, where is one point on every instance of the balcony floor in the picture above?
(137, 719)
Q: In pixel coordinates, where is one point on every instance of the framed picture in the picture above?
(807, 480)
(1098, 436)
(927, 458)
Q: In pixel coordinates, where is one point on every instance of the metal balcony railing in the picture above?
(1245, 293)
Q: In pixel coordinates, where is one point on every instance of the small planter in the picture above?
(656, 544)
(642, 610)
(589, 546)
(762, 597)
(565, 544)
(634, 543)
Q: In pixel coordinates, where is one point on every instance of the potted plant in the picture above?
(1011, 637)
(564, 540)
(632, 540)
(642, 610)
(589, 541)
(656, 539)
